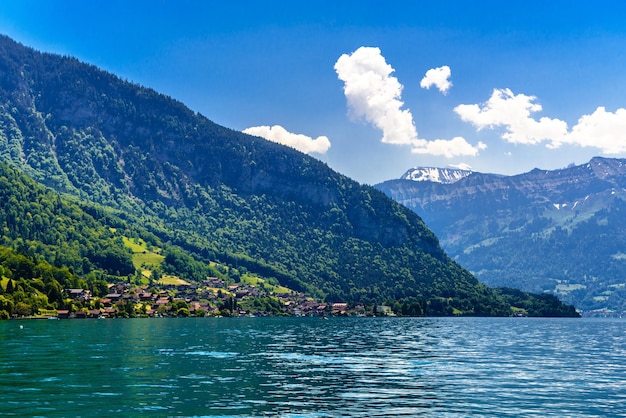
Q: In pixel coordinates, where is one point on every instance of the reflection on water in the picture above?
(307, 367)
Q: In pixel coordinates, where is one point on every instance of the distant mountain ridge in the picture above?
(253, 205)
(562, 231)
(436, 175)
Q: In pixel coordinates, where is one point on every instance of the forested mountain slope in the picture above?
(36, 221)
(561, 231)
(222, 194)
(49, 244)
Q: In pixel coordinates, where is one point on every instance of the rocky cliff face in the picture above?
(561, 231)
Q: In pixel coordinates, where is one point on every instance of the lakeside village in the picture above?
(212, 297)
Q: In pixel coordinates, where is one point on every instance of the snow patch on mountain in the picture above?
(436, 175)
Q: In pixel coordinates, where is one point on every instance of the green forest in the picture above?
(49, 244)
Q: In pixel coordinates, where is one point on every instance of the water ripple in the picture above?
(306, 367)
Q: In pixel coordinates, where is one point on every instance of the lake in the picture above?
(309, 367)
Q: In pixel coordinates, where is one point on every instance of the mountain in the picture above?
(560, 231)
(49, 243)
(221, 195)
(36, 220)
(436, 175)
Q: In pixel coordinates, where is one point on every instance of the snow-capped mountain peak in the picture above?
(436, 175)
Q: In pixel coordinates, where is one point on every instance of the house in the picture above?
(339, 308)
(145, 296)
(162, 301)
(134, 297)
(94, 313)
(81, 314)
(63, 313)
(320, 310)
(109, 312)
(214, 282)
(79, 294)
(120, 288)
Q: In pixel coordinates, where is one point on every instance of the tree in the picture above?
(22, 309)
(6, 304)
(183, 312)
(155, 276)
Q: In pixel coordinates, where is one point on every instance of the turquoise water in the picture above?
(307, 367)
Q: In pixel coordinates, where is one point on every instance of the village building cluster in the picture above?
(211, 297)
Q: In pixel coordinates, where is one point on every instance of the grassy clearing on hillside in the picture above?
(172, 280)
(136, 245)
(144, 259)
(257, 281)
(148, 259)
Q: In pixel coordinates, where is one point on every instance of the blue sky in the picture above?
(532, 83)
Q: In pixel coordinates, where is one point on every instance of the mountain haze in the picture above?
(220, 194)
(561, 231)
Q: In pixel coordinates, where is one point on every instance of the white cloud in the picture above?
(300, 142)
(438, 77)
(513, 113)
(601, 129)
(375, 95)
(454, 147)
